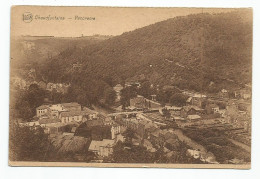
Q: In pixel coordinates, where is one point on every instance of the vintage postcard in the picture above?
(130, 87)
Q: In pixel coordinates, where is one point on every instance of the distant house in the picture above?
(153, 97)
(102, 148)
(71, 116)
(212, 109)
(193, 118)
(66, 112)
(141, 102)
(46, 120)
(194, 153)
(115, 130)
(190, 110)
(42, 110)
(59, 87)
(223, 93)
(76, 66)
(174, 110)
(77, 115)
(30, 124)
(95, 130)
(198, 100)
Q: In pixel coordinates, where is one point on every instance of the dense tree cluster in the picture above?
(189, 52)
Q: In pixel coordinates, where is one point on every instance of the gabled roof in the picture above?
(48, 120)
(94, 123)
(90, 111)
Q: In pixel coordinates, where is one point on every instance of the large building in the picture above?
(65, 112)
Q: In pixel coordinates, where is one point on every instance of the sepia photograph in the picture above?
(130, 87)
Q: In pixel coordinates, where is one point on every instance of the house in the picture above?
(42, 110)
(76, 66)
(174, 110)
(212, 108)
(54, 111)
(59, 87)
(53, 127)
(198, 100)
(188, 101)
(194, 153)
(153, 97)
(102, 148)
(30, 124)
(223, 93)
(91, 113)
(119, 137)
(95, 130)
(76, 116)
(115, 129)
(190, 110)
(141, 102)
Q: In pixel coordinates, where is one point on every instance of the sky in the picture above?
(108, 21)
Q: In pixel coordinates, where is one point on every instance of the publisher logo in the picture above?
(27, 17)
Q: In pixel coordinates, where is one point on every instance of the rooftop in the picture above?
(74, 113)
(95, 145)
(48, 120)
(193, 116)
(43, 107)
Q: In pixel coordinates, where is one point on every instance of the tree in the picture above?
(126, 94)
(178, 99)
(123, 153)
(145, 89)
(129, 135)
(109, 96)
(27, 101)
(166, 113)
(28, 144)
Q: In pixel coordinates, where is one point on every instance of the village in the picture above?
(154, 125)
